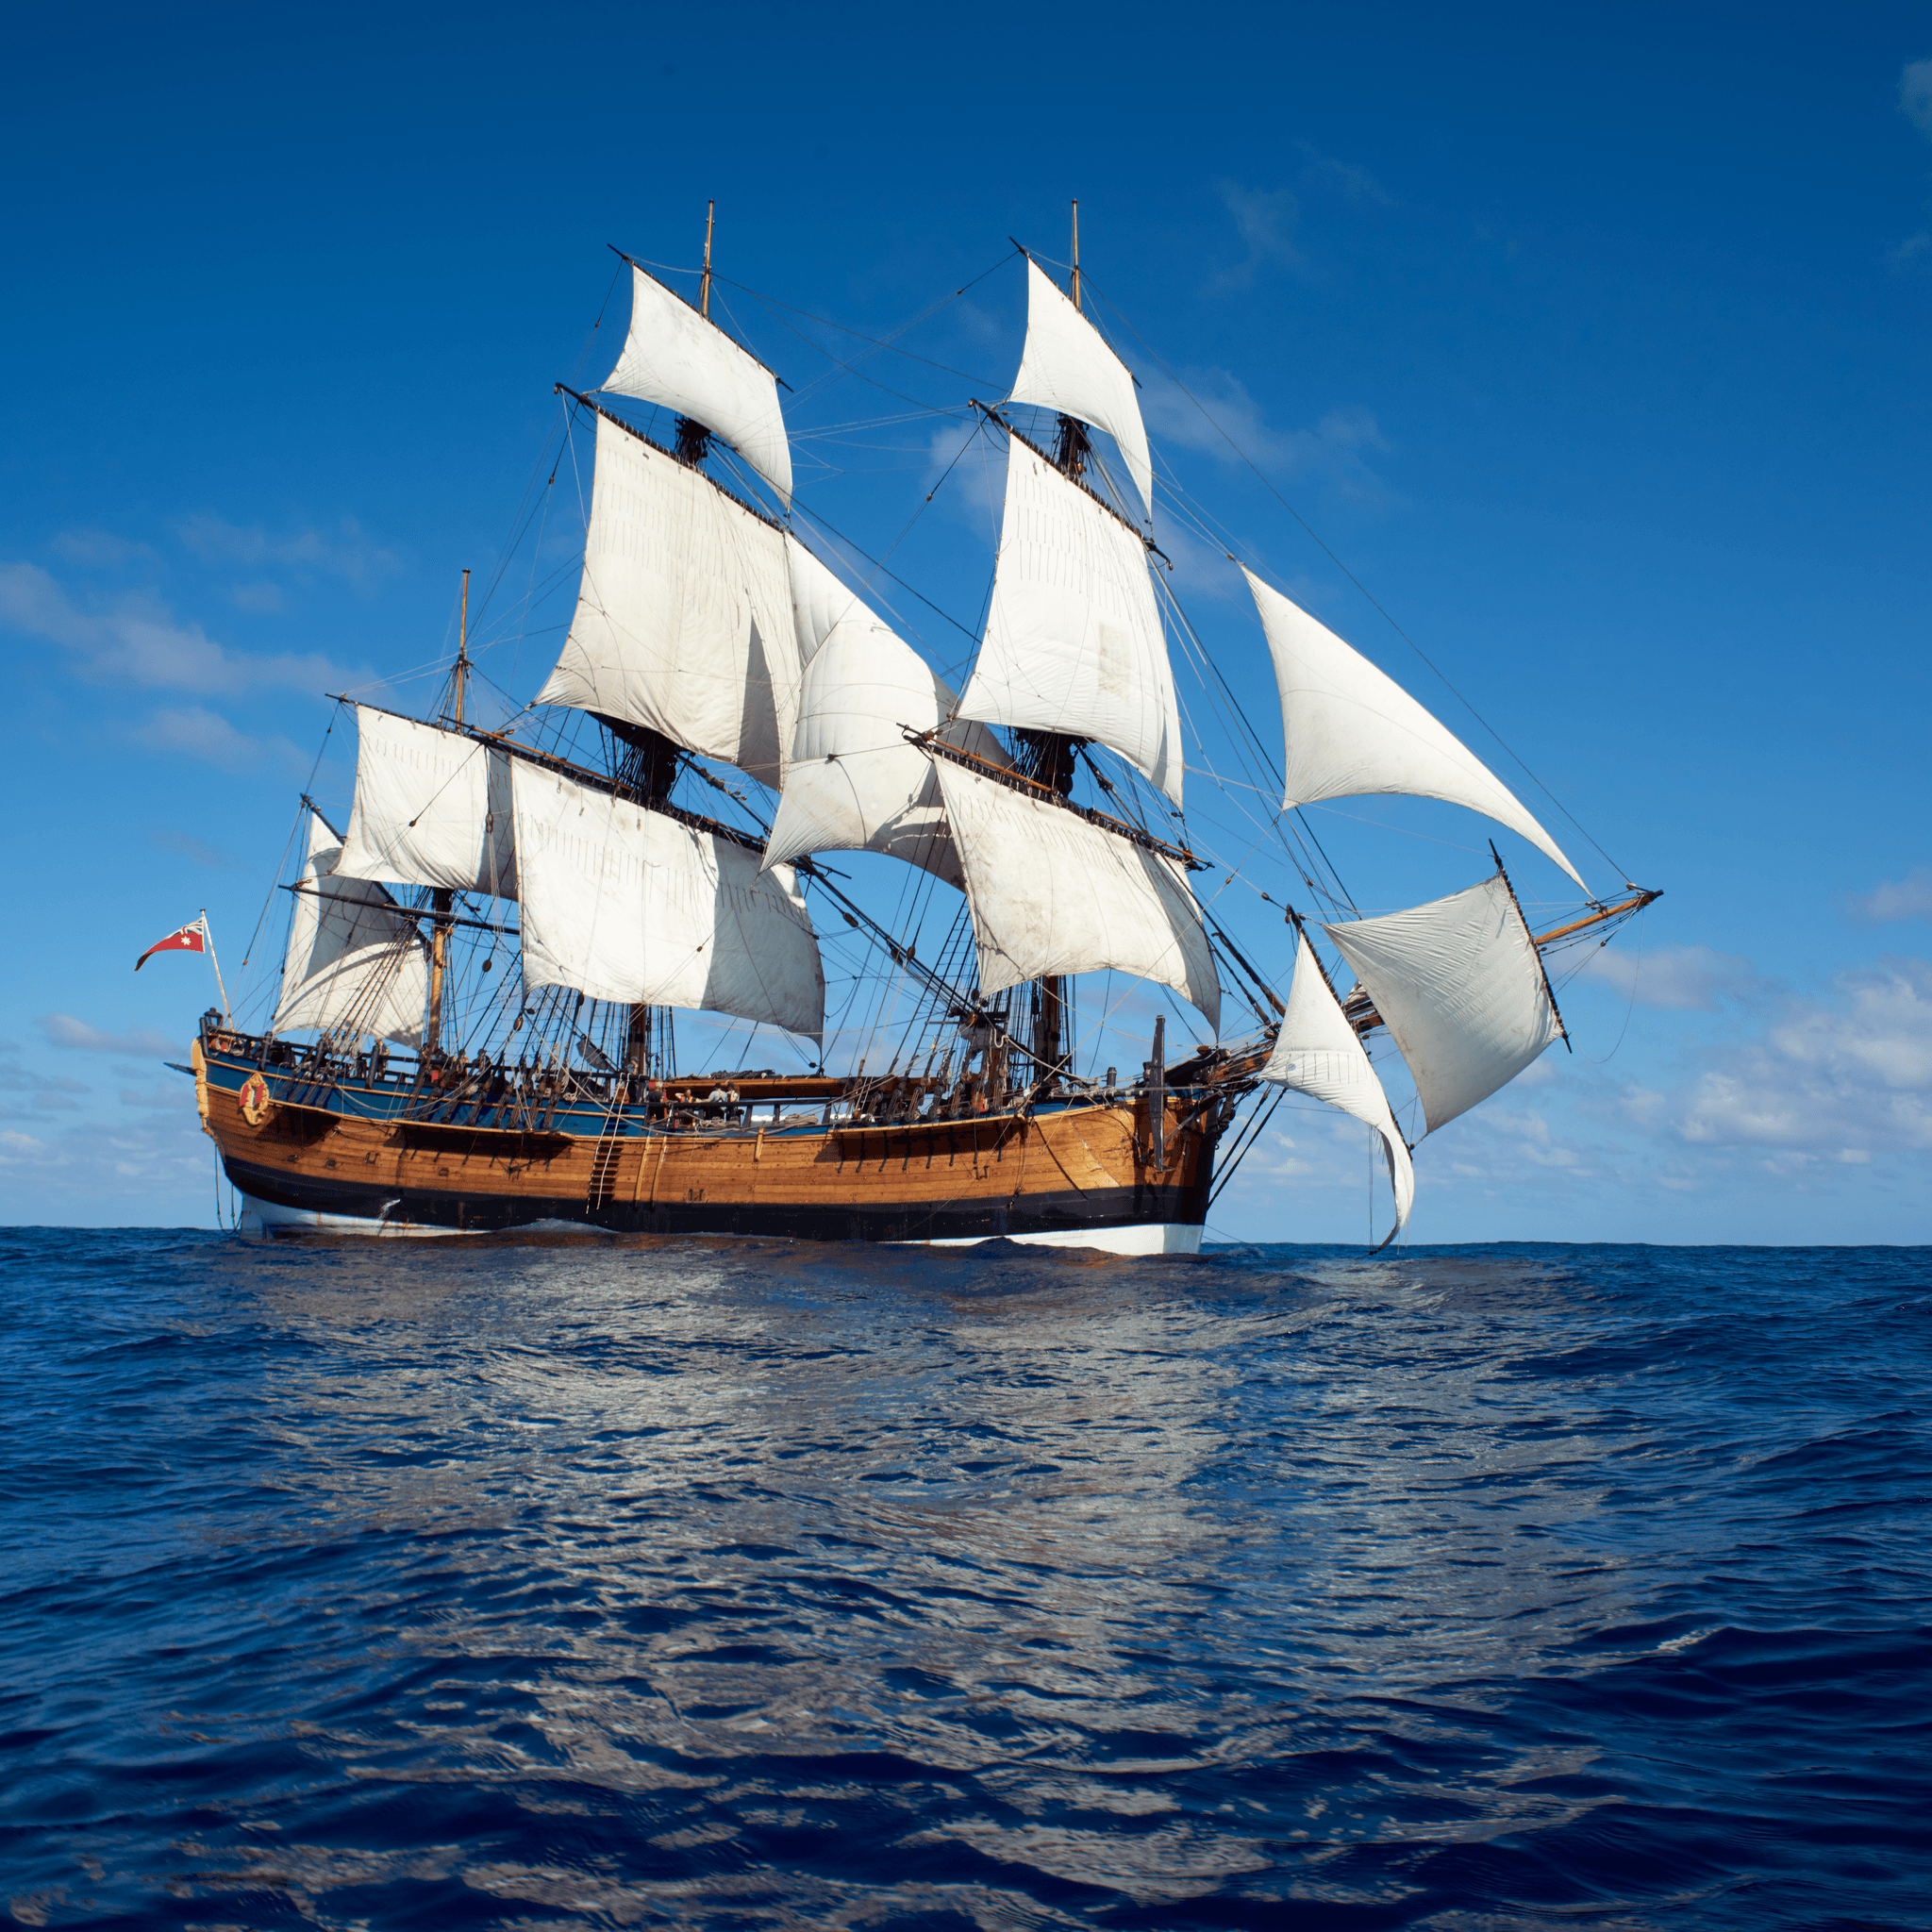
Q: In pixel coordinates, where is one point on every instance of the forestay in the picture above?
(1072, 638)
(1051, 893)
(1318, 1053)
(432, 809)
(354, 964)
(684, 620)
(1066, 365)
(676, 358)
(628, 905)
(1351, 729)
(854, 782)
(1459, 985)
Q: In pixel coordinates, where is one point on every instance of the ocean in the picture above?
(602, 1582)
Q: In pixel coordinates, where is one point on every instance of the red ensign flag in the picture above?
(192, 938)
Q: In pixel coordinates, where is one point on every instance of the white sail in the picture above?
(1072, 638)
(675, 358)
(684, 620)
(1066, 365)
(1318, 1053)
(1352, 730)
(1051, 893)
(432, 809)
(629, 905)
(854, 783)
(354, 964)
(1459, 985)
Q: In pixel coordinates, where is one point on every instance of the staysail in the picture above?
(355, 963)
(1073, 637)
(1460, 985)
(630, 905)
(1352, 730)
(1051, 893)
(432, 809)
(854, 783)
(1318, 1053)
(1066, 365)
(684, 620)
(677, 358)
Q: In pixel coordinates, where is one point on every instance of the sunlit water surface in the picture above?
(546, 1583)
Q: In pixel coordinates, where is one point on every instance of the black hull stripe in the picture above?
(1066, 1212)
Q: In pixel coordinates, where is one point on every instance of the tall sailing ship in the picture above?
(475, 1025)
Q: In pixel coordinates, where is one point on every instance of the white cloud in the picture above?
(136, 639)
(64, 1029)
(1907, 898)
(346, 554)
(1344, 181)
(262, 599)
(199, 733)
(215, 857)
(1852, 1074)
(1915, 95)
(1679, 978)
(1211, 410)
(101, 550)
(1264, 220)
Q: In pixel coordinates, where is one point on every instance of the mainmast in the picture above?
(441, 900)
(1049, 756)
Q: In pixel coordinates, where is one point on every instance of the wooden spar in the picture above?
(1596, 917)
(401, 911)
(1018, 781)
(704, 281)
(1076, 255)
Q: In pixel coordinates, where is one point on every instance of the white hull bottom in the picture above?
(1141, 1238)
(260, 1218)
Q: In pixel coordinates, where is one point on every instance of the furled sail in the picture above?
(630, 905)
(1051, 894)
(1351, 729)
(1318, 1053)
(676, 358)
(355, 963)
(684, 620)
(854, 783)
(1461, 987)
(432, 809)
(1067, 366)
(1072, 638)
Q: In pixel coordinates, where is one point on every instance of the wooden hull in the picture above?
(340, 1157)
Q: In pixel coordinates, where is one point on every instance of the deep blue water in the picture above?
(617, 1583)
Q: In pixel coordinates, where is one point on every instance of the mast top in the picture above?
(705, 280)
(1076, 289)
(460, 678)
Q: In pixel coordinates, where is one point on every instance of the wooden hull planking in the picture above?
(1077, 1174)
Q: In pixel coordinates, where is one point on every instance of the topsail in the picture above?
(355, 963)
(432, 809)
(684, 620)
(679, 359)
(1073, 642)
(1066, 366)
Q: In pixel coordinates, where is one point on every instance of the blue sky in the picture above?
(1594, 347)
